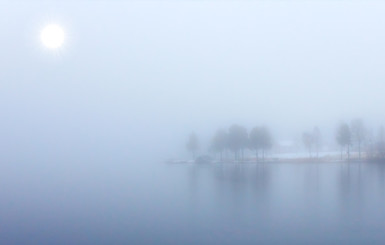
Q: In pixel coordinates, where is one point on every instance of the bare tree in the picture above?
(316, 139)
(266, 141)
(255, 140)
(370, 144)
(219, 142)
(343, 137)
(237, 140)
(192, 144)
(381, 143)
(307, 139)
(358, 133)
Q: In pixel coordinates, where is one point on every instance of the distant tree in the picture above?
(358, 133)
(266, 141)
(192, 144)
(237, 140)
(219, 142)
(381, 143)
(255, 142)
(370, 149)
(316, 139)
(307, 139)
(343, 137)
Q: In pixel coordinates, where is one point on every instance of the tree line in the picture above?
(236, 139)
(356, 134)
(348, 136)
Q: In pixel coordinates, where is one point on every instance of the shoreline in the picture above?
(281, 160)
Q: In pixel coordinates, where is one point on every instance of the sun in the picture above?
(52, 36)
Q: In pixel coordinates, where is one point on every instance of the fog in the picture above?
(92, 123)
(155, 71)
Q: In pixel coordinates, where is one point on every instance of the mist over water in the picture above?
(85, 130)
(190, 204)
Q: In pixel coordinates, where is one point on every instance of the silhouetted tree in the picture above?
(381, 143)
(312, 140)
(192, 144)
(358, 133)
(237, 140)
(266, 141)
(219, 142)
(370, 149)
(343, 137)
(316, 139)
(307, 139)
(255, 142)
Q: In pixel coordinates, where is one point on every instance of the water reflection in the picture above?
(195, 204)
(297, 202)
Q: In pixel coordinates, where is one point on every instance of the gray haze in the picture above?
(84, 130)
(132, 75)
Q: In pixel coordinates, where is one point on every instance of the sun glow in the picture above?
(52, 36)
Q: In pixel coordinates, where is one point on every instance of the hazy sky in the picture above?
(133, 74)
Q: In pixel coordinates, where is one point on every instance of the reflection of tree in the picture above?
(231, 182)
(359, 184)
(243, 179)
(194, 180)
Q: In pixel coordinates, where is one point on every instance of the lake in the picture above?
(156, 203)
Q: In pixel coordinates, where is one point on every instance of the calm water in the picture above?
(52, 203)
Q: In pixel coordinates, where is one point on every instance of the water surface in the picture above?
(156, 203)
